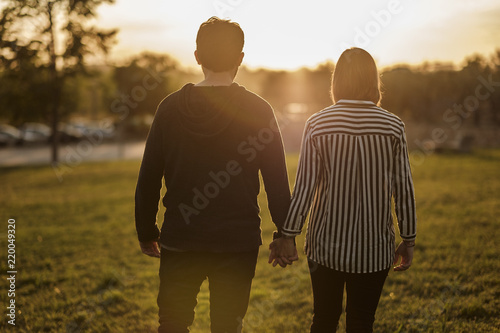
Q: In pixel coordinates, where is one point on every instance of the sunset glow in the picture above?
(288, 34)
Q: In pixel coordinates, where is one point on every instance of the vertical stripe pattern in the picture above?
(353, 161)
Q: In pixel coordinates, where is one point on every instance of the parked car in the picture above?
(68, 133)
(35, 133)
(41, 133)
(103, 130)
(9, 136)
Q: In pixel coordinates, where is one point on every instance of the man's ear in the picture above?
(241, 58)
(196, 56)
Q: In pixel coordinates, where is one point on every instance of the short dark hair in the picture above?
(356, 77)
(219, 44)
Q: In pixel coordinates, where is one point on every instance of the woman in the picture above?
(353, 161)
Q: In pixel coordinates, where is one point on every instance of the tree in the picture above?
(143, 83)
(140, 87)
(48, 40)
(495, 96)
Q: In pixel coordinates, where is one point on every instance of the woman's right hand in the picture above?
(406, 253)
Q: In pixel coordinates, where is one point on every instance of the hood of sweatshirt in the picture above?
(206, 111)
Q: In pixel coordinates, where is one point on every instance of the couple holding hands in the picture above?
(353, 162)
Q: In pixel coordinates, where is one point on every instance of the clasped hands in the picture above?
(283, 252)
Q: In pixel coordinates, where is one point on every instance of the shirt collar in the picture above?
(355, 102)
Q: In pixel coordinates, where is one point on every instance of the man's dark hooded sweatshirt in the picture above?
(209, 144)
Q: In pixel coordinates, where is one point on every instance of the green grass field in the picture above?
(79, 267)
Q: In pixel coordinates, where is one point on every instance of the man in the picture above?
(208, 142)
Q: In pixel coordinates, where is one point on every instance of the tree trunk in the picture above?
(55, 120)
(56, 88)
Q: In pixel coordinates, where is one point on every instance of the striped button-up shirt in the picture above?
(353, 160)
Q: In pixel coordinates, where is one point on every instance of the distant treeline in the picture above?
(129, 93)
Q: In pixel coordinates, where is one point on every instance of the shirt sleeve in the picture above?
(403, 192)
(275, 175)
(147, 193)
(305, 185)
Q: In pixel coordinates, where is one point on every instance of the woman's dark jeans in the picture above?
(363, 294)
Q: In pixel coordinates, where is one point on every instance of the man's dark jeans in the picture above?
(363, 294)
(181, 275)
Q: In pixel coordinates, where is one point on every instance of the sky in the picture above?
(289, 34)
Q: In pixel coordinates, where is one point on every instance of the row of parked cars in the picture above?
(38, 133)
